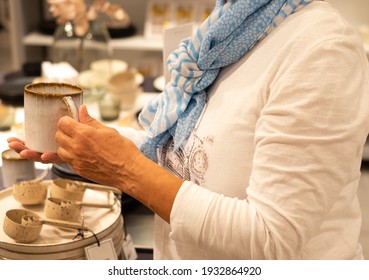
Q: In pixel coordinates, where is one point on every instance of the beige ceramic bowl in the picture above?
(20, 233)
(56, 208)
(123, 88)
(29, 192)
(67, 190)
(109, 66)
(25, 226)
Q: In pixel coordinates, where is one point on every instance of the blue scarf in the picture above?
(231, 31)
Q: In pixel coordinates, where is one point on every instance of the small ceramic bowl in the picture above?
(22, 233)
(25, 226)
(59, 209)
(67, 190)
(109, 66)
(30, 192)
(123, 88)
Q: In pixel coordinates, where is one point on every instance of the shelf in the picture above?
(137, 42)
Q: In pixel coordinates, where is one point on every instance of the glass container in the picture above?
(81, 51)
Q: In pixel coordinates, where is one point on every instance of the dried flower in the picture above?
(80, 13)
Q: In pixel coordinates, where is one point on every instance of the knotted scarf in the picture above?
(231, 30)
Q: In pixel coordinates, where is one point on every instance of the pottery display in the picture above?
(46, 240)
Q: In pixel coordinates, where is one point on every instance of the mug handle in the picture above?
(71, 106)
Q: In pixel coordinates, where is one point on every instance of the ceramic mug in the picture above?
(123, 89)
(16, 169)
(44, 105)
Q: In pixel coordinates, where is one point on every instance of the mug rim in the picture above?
(29, 89)
(5, 155)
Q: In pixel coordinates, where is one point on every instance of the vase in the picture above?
(81, 51)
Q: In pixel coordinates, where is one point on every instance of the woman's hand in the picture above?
(95, 151)
(19, 146)
(101, 154)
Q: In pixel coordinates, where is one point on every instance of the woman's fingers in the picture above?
(17, 146)
(31, 155)
(14, 139)
(68, 126)
(85, 118)
(49, 157)
(63, 139)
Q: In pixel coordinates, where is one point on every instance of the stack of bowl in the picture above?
(56, 243)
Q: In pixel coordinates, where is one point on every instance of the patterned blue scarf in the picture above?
(232, 29)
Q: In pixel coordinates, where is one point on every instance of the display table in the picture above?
(138, 220)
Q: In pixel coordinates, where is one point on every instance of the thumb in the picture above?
(85, 118)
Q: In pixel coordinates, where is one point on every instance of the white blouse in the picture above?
(273, 166)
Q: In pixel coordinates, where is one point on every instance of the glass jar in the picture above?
(81, 51)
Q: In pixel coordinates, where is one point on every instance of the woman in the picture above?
(253, 151)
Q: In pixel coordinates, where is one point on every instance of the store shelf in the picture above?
(37, 39)
(137, 42)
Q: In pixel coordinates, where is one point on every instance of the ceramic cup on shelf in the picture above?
(44, 105)
(15, 168)
(123, 88)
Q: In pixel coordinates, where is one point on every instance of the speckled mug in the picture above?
(44, 105)
(15, 168)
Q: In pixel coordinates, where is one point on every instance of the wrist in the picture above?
(151, 184)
